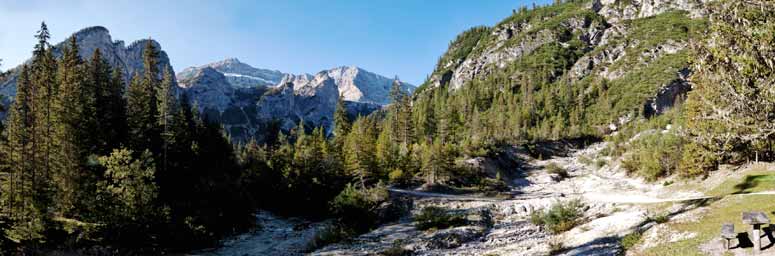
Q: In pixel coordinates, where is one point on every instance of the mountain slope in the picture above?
(573, 69)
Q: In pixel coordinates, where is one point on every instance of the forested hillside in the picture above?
(84, 162)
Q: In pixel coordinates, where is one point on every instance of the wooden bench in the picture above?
(728, 233)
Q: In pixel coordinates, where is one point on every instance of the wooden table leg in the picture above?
(757, 245)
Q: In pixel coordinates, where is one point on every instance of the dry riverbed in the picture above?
(615, 205)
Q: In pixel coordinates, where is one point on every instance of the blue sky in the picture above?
(389, 37)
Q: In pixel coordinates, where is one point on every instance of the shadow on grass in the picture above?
(750, 181)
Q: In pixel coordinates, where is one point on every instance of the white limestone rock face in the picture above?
(128, 58)
(617, 10)
(209, 89)
(247, 109)
(238, 74)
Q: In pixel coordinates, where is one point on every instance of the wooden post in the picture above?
(757, 243)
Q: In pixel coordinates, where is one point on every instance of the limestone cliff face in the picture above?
(618, 10)
(128, 58)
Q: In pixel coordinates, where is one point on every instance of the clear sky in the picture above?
(388, 37)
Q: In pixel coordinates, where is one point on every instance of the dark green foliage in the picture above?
(561, 217)
(437, 218)
(142, 107)
(356, 207)
(630, 240)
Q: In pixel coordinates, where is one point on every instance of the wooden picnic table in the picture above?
(756, 219)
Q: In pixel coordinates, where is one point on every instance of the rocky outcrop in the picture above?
(668, 95)
(209, 88)
(618, 10)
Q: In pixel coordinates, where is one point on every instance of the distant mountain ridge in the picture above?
(241, 97)
(237, 73)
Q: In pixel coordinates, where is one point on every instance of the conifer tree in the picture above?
(19, 188)
(72, 141)
(359, 151)
(341, 119)
(166, 104)
(142, 105)
(114, 111)
(42, 90)
(100, 83)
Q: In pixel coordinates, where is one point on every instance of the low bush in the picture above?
(630, 240)
(355, 208)
(654, 155)
(329, 235)
(437, 218)
(659, 218)
(559, 218)
(554, 168)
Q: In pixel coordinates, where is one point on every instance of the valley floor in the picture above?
(615, 205)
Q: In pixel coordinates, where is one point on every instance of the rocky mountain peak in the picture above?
(238, 73)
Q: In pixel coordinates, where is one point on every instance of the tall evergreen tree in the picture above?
(18, 192)
(166, 104)
(142, 105)
(359, 151)
(73, 143)
(101, 85)
(43, 90)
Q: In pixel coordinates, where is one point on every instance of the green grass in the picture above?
(728, 208)
(708, 227)
(757, 180)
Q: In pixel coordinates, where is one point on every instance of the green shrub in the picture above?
(654, 155)
(399, 177)
(355, 207)
(554, 168)
(329, 235)
(437, 218)
(660, 218)
(697, 160)
(630, 240)
(559, 218)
